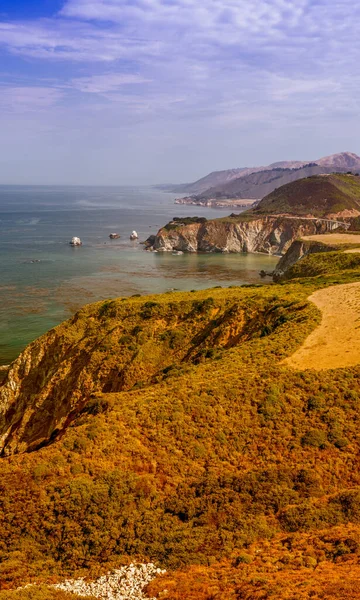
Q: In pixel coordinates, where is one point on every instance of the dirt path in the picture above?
(333, 238)
(335, 342)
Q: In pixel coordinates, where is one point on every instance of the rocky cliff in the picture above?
(107, 347)
(272, 235)
(298, 250)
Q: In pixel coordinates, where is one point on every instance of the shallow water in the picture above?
(44, 280)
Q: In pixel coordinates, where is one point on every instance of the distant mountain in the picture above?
(256, 182)
(216, 178)
(344, 160)
(333, 195)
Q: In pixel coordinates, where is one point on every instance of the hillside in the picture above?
(334, 195)
(259, 184)
(229, 183)
(212, 179)
(169, 429)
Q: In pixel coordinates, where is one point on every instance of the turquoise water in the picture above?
(44, 280)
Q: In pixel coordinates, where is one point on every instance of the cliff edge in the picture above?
(237, 233)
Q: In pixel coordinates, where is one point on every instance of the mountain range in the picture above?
(257, 182)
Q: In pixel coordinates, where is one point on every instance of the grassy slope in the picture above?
(321, 264)
(317, 195)
(226, 459)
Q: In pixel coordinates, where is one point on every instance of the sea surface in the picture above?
(43, 280)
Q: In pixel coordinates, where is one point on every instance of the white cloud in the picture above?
(99, 84)
(239, 15)
(54, 39)
(283, 88)
(28, 99)
(207, 76)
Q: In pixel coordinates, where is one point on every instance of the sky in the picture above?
(147, 91)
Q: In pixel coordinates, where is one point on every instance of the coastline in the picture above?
(230, 203)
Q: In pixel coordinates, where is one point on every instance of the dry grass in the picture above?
(336, 342)
(333, 238)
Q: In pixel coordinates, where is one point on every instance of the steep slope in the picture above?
(107, 347)
(238, 233)
(215, 454)
(326, 196)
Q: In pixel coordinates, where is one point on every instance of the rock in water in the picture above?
(114, 236)
(134, 235)
(75, 241)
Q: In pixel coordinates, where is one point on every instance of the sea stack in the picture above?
(134, 235)
(114, 236)
(75, 241)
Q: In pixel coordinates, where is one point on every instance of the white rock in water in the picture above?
(76, 242)
(134, 235)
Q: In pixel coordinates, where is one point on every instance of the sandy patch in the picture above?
(352, 251)
(333, 238)
(336, 342)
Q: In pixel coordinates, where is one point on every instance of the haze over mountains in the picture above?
(257, 182)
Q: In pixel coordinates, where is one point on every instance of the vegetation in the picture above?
(180, 221)
(207, 455)
(323, 263)
(42, 592)
(319, 195)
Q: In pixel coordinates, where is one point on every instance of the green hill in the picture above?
(318, 196)
(168, 429)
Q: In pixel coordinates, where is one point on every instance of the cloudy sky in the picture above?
(145, 91)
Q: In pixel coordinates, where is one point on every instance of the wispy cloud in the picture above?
(221, 70)
(110, 82)
(28, 98)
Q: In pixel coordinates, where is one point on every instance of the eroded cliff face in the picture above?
(119, 346)
(297, 250)
(110, 347)
(272, 235)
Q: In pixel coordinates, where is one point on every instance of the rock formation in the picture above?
(75, 241)
(297, 251)
(271, 235)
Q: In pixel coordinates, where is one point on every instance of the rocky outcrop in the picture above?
(271, 235)
(297, 251)
(75, 241)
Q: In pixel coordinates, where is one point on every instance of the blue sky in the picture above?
(144, 91)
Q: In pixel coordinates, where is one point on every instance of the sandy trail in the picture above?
(335, 342)
(333, 238)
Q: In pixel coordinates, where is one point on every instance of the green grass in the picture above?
(324, 263)
(317, 195)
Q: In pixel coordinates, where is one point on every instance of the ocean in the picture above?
(44, 280)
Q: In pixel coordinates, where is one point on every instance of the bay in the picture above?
(43, 280)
